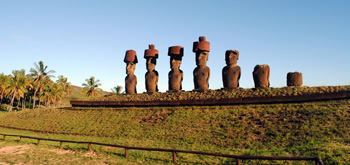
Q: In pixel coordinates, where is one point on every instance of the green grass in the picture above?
(319, 129)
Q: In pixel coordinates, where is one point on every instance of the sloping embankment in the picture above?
(221, 101)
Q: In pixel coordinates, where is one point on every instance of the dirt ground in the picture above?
(33, 154)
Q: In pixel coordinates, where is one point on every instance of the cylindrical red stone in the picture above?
(130, 56)
(151, 52)
(176, 50)
(202, 44)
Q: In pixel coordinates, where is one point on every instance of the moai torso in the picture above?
(130, 80)
(231, 76)
(130, 84)
(201, 78)
(175, 80)
(261, 75)
(175, 75)
(232, 72)
(201, 73)
(151, 81)
(294, 79)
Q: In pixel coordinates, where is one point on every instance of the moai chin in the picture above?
(294, 79)
(261, 75)
(175, 75)
(201, 73)
(231, 73)
(130, 80)
(151, 76)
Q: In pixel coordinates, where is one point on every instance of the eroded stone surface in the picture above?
(261, 75)
(294, 79)
(201, 73)
(231, 73)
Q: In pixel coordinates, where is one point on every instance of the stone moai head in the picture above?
(130, 59)
(261, 75)
(231, 57)
(201, 48)
(176, 53)
(151, 56)
(294, 79)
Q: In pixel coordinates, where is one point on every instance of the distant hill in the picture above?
(77, 93)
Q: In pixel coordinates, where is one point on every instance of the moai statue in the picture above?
(175, 75)
(130, 80)
(294, 79)
(201, 73)
(232, 72)
(151, 76)
(261, 75)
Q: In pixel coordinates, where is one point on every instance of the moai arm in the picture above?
(135, 84)
(268, 74)
(208, 76)
(239, 77)
(157, 77)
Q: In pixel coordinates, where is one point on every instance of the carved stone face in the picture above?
(232, 59)
(130, 68)
(151, 63)
(202, 58)
(175, 62)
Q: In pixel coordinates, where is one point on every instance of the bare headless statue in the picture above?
(201, 73)
(130, 80)
(231, 73)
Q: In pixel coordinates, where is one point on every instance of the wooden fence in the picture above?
(317, 160)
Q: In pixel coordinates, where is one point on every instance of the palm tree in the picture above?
(3, 86)
(40, 73)
(57, 92)
(91, 87)
(117, 90)
(64, 84)
(17, 87)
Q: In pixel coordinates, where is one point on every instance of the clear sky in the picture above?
(84, 38)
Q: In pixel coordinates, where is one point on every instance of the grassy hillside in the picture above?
(311, 129)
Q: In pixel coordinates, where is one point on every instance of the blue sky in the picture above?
(84, 38)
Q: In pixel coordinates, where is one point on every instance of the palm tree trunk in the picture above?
(19, 101)
(39, 101)
(23, 103)
(36, 90)
(9, 108)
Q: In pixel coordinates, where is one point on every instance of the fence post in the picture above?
(174, 156)
(38, 141)
(238, 161)
(89, 146)
(60, 144)
(4, 137)
(126, 152)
